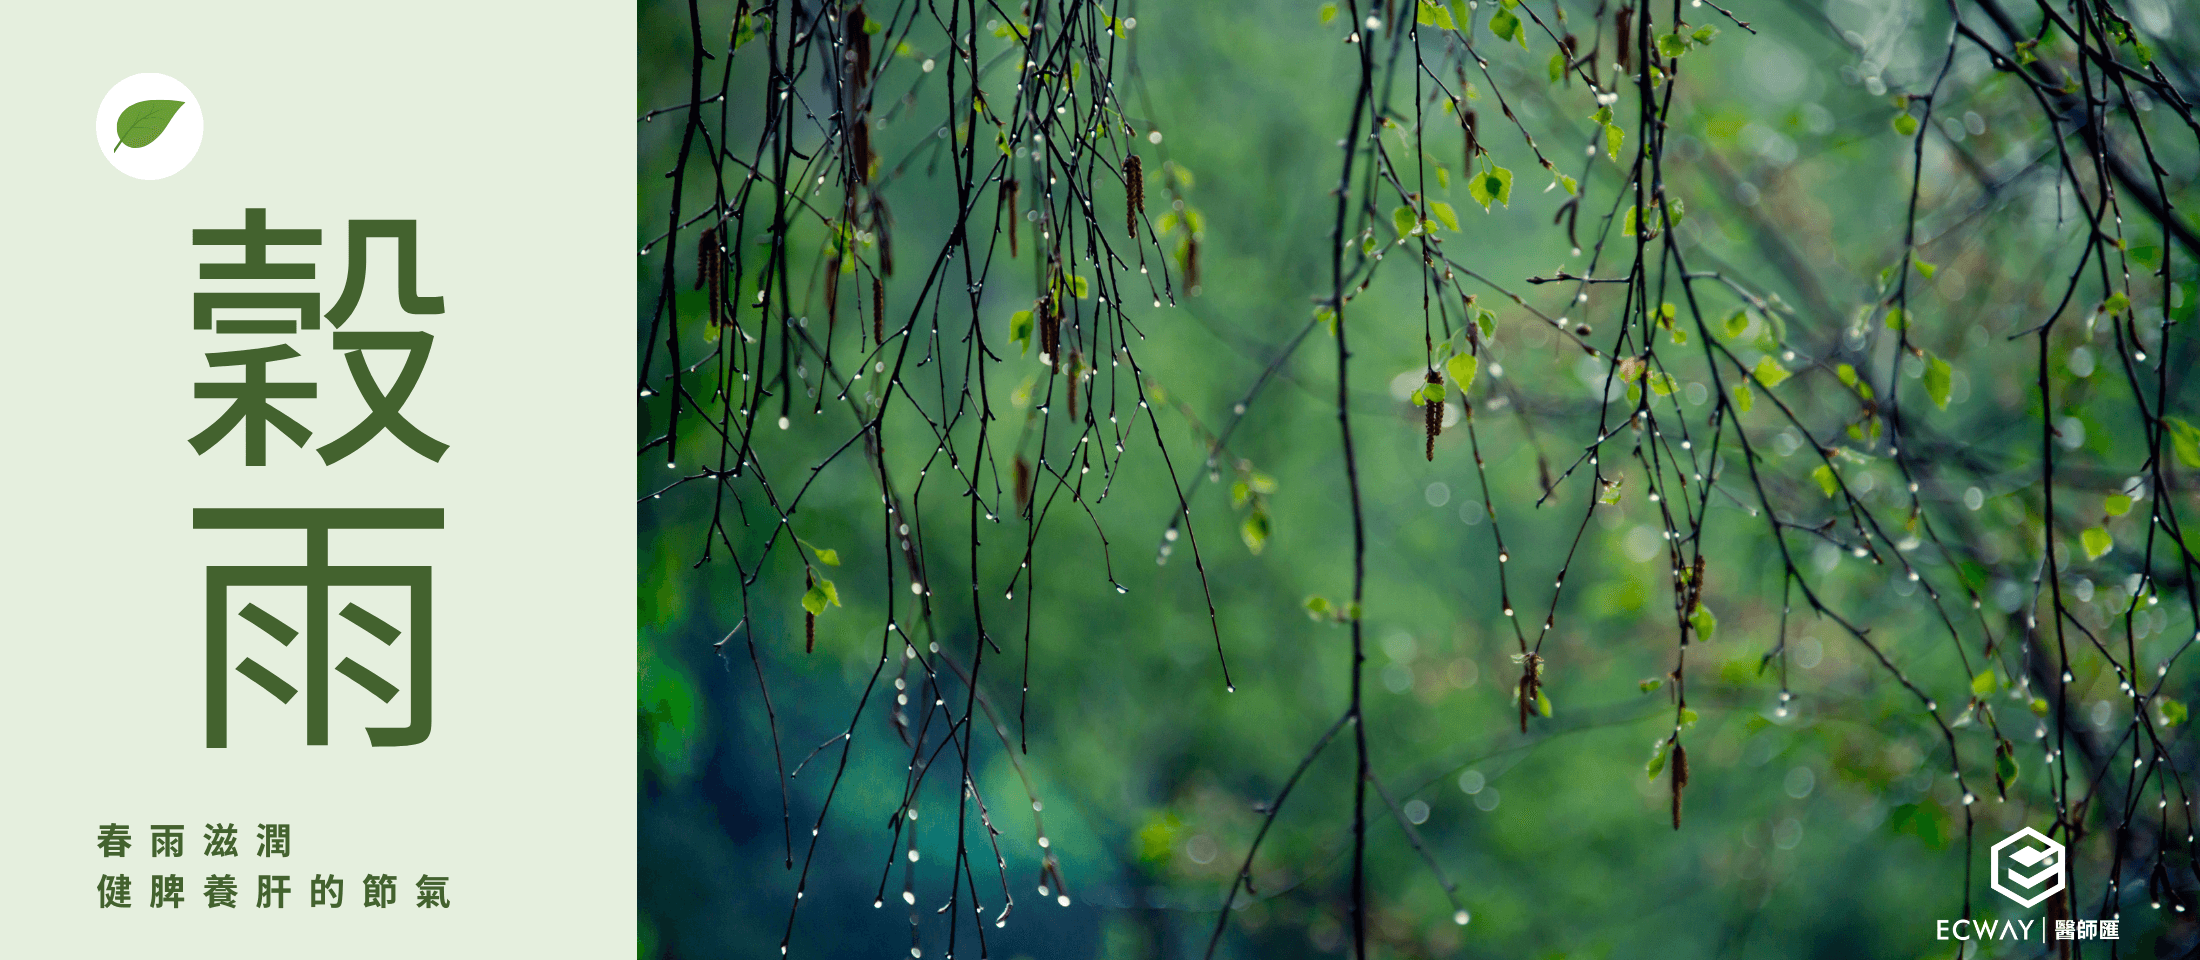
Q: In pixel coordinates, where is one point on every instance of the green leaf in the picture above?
(2096, 541)
(143, 122)
(1494, 184)
(1403, 220)
(1255, 530)
(2172, 711)
(1769, 372)
(1737, 323)
(1651, 684)
(1905, 124)
(1542, 703)
(1445, 215)
(1826, 481)
(2185, 439)
(1985, 683)
(1317, 608)
(1613, 137)
(2116, 303)
(1672, 45)
(828, 557)
(1743, 398)
(1938, 380)
(1705, 623)
(2116, 505)
(1329, 12)
(1657, 756)
(1019, 330)
(2005, 764)
(2039, 706)
(1505, 25)
(1573, 187)
(1896, 320)
(1558, 67)
(1485, 319)
(1923, 269)
(1689, 717)
(1704, 34)
(1847, 375)
(820, 594)
(1461, 370)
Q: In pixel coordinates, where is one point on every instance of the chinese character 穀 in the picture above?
(221, 840)
(114, 839)
(274, 840)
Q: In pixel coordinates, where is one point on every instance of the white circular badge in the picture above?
(149, 126)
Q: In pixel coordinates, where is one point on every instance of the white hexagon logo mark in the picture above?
(2027, 867)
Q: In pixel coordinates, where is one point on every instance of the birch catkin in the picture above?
(1134, 193)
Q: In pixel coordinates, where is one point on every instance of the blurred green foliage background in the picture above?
(1831, 828)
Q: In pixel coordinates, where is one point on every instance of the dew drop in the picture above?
(1460, 918)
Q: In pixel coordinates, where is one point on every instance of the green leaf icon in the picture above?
(143, 122)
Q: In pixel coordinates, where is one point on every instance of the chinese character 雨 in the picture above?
(316, 576)
(167, 839)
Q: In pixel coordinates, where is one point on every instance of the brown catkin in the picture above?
(710, 273)
(1433, 411)
(878, 310)
(1623, 37)
(1023, 486)
(1050, 332)
(1076, 373)
(1680, 780)
(1191, 265)
(1134, 193)
(809, 620)
(1474, 141)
